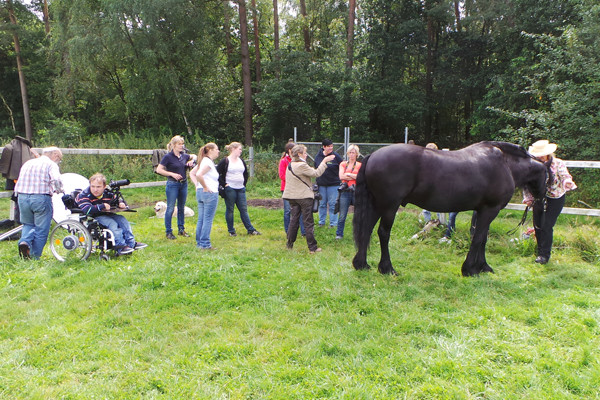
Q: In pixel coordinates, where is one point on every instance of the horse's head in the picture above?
(528, 171)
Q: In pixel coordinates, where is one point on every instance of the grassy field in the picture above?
(253, 320)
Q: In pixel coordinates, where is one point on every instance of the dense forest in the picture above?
(453, 72)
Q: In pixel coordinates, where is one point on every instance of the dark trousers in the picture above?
(301, 207)
(543, 222)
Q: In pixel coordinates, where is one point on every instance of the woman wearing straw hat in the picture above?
(559, 183)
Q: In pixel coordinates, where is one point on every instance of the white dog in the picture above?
(161, 207)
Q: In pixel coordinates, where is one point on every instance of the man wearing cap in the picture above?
(558, 185)
(328, 183)
(38, 180)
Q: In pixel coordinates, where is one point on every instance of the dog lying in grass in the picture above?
(161, 207)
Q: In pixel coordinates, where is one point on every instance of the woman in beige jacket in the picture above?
(298, 191)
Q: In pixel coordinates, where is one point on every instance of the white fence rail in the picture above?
(510, 206)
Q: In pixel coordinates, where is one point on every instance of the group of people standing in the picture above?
(335, 179)
(39, 178)
(227, 180)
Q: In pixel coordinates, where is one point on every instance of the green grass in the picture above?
(252, 320)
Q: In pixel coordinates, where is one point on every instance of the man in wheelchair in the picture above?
(96, 202)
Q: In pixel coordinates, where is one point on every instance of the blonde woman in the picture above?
(348, 171)
(233, 176)
(206, 178)
(174, 166)
(298, 191)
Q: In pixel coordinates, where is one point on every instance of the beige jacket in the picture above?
(296, 188)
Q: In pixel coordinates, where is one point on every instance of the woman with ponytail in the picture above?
(206, 178)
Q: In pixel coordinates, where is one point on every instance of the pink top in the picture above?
(283, 164)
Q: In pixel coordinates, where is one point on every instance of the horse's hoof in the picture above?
(487, 268)
(390, 271)
(361, 267)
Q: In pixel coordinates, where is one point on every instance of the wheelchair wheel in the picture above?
(70, 240)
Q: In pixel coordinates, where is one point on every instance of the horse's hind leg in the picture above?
(362, 238)
(384, 231)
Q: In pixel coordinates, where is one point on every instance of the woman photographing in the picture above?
(348, 172)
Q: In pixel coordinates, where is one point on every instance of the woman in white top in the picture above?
(206, 178)
(233, 176)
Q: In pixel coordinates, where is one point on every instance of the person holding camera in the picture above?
(98, 201)
(285, 160)
(299, 192)
(348, 171)
(328, 183)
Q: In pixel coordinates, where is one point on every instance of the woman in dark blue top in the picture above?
(174, 166)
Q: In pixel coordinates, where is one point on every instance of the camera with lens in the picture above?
(343, 187)
(315, 189)
(117, 184)
(115, 187)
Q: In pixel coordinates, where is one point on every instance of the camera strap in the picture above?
(292, 171)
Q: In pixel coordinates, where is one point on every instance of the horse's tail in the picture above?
(365, 216)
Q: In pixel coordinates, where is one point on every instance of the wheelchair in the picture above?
(76, 236)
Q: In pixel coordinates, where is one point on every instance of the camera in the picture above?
(119, 183)
(315, 189)
(343, 187)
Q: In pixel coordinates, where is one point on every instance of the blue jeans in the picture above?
(346, 199)
(36, 215)
(120, 228)
(451, 227)
(237, 197)
(287, 211)
(176, 192)
(207, 208)
(329, 197)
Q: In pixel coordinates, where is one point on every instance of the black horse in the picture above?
(480, 177)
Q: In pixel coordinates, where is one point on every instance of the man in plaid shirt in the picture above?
(38, 179)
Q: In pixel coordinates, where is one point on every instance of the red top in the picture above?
(344, 165)
(283, 164)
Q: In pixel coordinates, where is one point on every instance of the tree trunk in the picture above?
(457, 14)
(24, 97)
(350, 42)
(10, 113)
(305, 25)
(46, 17)
(256, 42)
(246, 73)
(429, 73)
(227, 29)
(276, 35)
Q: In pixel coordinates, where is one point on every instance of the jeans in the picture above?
(543, 222)
(451, 227)
(302, 208)
(120, 228)
(329, 197)
(286, 217)
(176, 192)
(346, 199)
(207, 208)
(36, 215)
(236, 197)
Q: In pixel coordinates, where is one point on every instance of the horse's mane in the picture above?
(512, 149)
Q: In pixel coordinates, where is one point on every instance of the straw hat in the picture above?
(542, 148)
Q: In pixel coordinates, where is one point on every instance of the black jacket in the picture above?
(224, 166)
(331, 177)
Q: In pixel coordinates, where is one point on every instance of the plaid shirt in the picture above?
(39, 176)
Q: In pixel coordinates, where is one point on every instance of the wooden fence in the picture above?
(510, 206)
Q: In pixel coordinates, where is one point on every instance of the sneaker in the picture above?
(232, 234)
(255, 233)
(207, 248)
(339, 237)
(171, 236)
(445, 239)
(184, 234)
(318, 250)
(541, 260)
(125, 250)
(139, 245)
(24, 251)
